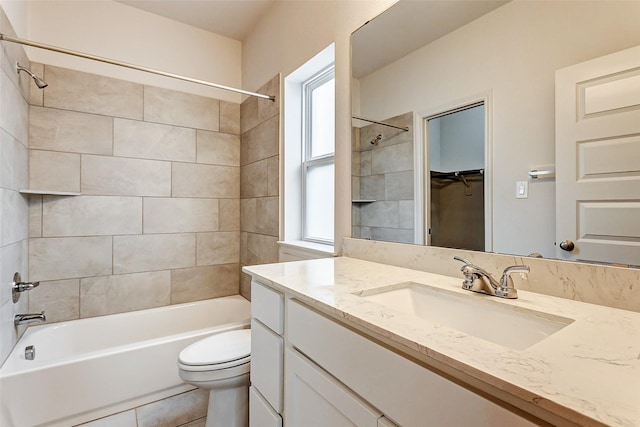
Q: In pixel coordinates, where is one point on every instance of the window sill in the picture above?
(300, 249)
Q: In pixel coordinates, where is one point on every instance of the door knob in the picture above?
(567, 245)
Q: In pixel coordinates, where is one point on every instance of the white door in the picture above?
(598, 159)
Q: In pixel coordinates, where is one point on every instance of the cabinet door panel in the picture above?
(261, 414)
(267, 306)
(406, 392)
(266, 363)
(315, 399)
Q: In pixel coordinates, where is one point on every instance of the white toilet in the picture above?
(221, 364)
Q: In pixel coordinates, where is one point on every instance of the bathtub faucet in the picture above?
(24, 319)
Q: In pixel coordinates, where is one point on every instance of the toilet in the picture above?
(220, 363)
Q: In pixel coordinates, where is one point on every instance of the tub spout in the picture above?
(24, 319)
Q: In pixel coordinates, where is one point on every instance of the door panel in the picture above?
(598, 158)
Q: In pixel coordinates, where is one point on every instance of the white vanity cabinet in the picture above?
(267, 352)
(334, 376)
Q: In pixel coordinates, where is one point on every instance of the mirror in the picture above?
(422, 59)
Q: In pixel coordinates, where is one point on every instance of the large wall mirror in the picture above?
(454, 107)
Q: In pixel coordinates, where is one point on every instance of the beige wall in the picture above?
(513, 52)
(291, 33)
(117, 31)
(158, 219)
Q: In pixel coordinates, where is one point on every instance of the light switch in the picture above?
(522, 189)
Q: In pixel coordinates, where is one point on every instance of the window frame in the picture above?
(307, 162)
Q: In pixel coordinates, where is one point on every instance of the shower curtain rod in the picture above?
(381, 123)
(131, 66)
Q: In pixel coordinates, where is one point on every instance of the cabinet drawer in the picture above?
(404, 391)
(315, 399)
(267, 306)
(261, 414)
(266, 363)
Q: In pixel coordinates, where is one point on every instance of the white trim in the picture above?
(300, 250)
(291, 150)
(421, 164)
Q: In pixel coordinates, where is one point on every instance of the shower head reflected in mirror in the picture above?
(376, 140)
(39, 82)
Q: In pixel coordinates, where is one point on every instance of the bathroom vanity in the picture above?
(344, 341)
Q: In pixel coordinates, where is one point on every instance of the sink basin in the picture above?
(509, 326)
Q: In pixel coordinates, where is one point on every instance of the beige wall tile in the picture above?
(273, 176)
(91, 93)
(91, 216)
(261, 249)
(115, 176)
(50, 170)
(181, 109)
(218, 148)
(198, 283)
(222, 247)
(248, 114)
(14, 224)
(180, 215)
(69, 257)
(60, 300)
(195, 180)
(175, 411)
(261, 142)
(14, 159)
(266, 108)
(35, 215)
(153, 252)
(122, 293)
(15, 110)
(60, 130)
(248, 215)
(230, 117)
(245, 286)
(268, 220)
(143, 140)
(254, 179)
(13, 258)
(229, 214)
(36, 95)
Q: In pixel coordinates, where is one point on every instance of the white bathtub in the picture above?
(89, 368)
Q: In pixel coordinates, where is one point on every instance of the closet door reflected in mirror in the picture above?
(455, 165)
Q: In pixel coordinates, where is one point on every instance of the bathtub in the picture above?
(90, 368)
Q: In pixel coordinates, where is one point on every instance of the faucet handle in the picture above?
(507, 289)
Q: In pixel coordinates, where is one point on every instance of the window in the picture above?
(318, 129)
(308, 155)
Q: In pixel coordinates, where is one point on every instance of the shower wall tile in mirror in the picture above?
(383, 181)
(158, 220)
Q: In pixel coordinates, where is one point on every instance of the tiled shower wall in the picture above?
(385, 176)
(158, 220)
(259, 180)
(14, 166)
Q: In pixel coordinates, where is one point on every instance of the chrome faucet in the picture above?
(24, 319)
(477, 279)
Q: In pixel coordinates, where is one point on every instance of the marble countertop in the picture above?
(588, 373)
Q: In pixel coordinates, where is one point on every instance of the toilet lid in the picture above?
(218, 348)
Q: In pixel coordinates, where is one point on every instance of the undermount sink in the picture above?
(509, 326)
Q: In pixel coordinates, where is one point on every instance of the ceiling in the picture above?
(409, 25)
(230, 18)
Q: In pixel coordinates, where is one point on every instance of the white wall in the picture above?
(291, 33)
(512, 52)
(117, 31)
(16, 12)
(457, 141)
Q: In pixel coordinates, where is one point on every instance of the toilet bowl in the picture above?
(221, 364)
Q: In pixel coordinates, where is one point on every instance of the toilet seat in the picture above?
(218, 352)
